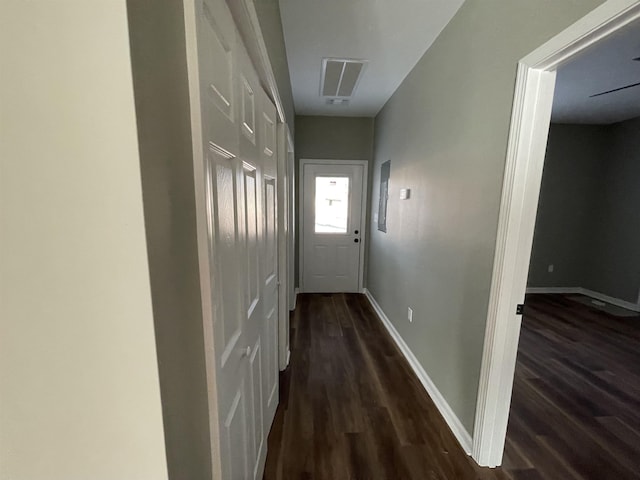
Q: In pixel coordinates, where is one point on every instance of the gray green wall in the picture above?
(569, 194)
(334, 138)
(588, 223)
(164, 134)
(617, 268)
(445, 130)
(271, 25)
(331, 138)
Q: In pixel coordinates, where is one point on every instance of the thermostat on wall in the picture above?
(405, 193)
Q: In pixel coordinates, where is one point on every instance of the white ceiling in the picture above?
(606, 66)
(391, 35)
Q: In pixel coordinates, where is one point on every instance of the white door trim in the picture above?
(293, 232)
(363, 217)
(206, 279)
(246, 18)
(284, 231)
(521, 187)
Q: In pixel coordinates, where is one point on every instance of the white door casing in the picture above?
(283, 242)
(293, 233)
(333, 199)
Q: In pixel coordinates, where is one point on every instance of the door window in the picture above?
(332, 204)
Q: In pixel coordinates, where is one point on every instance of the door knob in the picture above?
(356, 232)
(356, 240)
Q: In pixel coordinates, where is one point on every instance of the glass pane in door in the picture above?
(332, 204)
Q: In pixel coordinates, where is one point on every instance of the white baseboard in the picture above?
(589, 293)
(454, 423)
(613, 301)
(554, 290)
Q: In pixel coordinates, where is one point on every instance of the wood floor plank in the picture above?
(575, 404)
(354, 408)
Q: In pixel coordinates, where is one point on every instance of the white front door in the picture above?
(240, 183)
(332, 227)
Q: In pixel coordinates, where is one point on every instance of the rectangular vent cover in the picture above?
(340, 76)
(338, 101)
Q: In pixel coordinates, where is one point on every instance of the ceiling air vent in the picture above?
(340, 77)
(338, 101)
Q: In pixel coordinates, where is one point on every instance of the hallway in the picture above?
(351, 407)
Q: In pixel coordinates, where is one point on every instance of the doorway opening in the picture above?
(521, 188)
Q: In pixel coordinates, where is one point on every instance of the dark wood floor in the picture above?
(351, 407)
(576, 402)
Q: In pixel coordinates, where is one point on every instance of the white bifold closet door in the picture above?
(239, 135)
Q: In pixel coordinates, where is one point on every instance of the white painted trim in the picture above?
(590, 29)
(290, 144)
(589, 293)
(206, 279)
(363, 216)
(284, 281)
(264, 59)
(300, 226)
(612, 300)
(560, 290)
(454, 423)
(291, 221)
(521, 187)
(246, 18)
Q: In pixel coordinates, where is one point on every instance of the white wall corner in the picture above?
(454, 423)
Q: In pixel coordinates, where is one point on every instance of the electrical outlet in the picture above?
(550, 268)
(410, 314)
